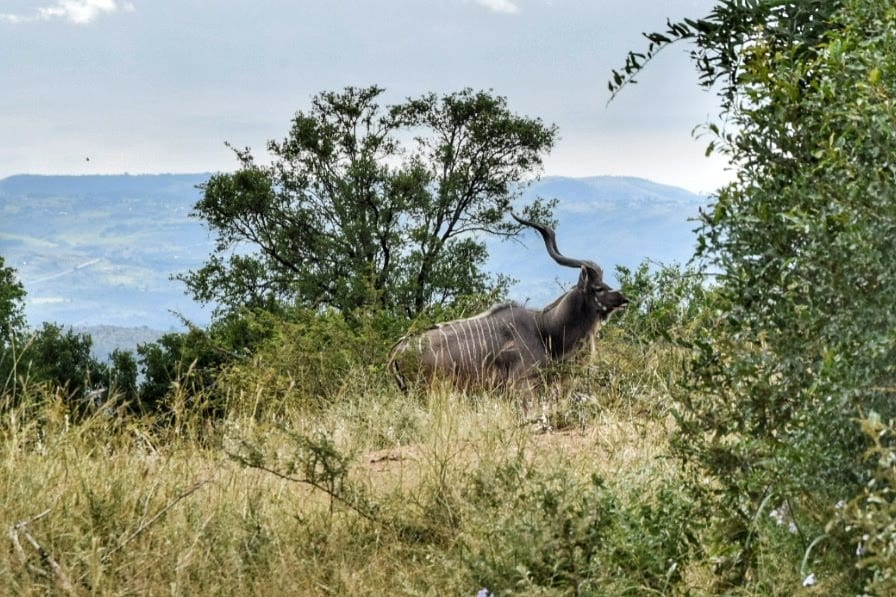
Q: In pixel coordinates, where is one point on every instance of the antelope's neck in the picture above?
(565, 322)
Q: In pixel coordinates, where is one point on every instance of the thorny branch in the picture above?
(335, 495)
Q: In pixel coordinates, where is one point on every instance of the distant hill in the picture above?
(100, 250)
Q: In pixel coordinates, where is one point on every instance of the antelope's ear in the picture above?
(584, 279)
(589, 278)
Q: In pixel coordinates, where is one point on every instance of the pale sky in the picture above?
(150, 86)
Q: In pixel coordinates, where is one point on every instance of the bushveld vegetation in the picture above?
(731, 434)
(302, 469)
(299, 468)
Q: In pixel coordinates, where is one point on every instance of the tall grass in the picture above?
(367, 491)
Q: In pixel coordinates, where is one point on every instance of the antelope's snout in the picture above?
(610, 301)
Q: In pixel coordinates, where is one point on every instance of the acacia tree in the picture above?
(370, 207)
(804, 339)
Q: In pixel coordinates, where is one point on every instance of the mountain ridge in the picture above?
(102, 249)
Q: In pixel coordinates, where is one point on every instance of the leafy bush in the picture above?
(668, 302)
(543, 530)
(53, 362)
(803, 331)
(12, 304)
(189, 364)
(306, 358)
(122, 376)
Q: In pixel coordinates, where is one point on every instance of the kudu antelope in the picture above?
(506, 345)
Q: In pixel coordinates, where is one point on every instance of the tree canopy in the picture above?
(369, 207)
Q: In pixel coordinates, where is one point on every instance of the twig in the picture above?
(335, 495)
(62, 580)
(389, 457)
(145, 525)
(20, 553)
(629, 78)
(64, 583)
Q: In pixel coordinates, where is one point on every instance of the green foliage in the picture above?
(546, 531)
(364, 207)
(307, 358)
(668, 302)
(51, 357)
(256, 362)
(12, 322)
(60, 361)
(122, 376)
(722, 39)
(12, 296)
(171, 363)
(802, 331)
(61, 358)
(188, 364)
(871, 515)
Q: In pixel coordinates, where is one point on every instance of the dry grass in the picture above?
(431, 485)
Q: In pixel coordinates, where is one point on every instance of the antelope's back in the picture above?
(473, 351)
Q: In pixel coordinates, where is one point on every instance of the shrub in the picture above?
(53, 361)
(541, 530)
(669, 302)
(306, 359)
(803, 332)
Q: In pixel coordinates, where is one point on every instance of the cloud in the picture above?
(505, 6)
(80, 12)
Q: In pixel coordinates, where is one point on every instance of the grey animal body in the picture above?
(508, 344)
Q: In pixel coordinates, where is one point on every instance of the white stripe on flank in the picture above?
(468, 341)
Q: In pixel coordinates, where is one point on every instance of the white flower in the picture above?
(781, 516)
(777, 515)
(810, 580)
